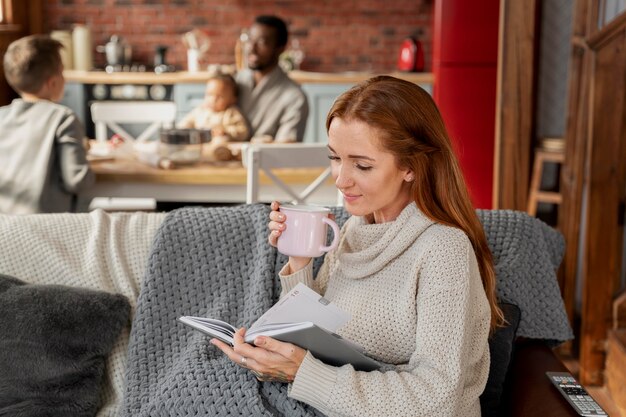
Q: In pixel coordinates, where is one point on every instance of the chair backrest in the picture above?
(110, 114)
(265, 157)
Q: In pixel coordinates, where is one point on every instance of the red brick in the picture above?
(335, 36)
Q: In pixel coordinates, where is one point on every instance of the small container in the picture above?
(192, 60)
(82, 48)
(183, 146)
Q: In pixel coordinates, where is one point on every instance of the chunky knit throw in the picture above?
(204, 262)
(527, 253)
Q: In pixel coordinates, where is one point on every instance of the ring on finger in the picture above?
(244, 361)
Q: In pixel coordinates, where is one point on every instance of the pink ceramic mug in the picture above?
(305, 231)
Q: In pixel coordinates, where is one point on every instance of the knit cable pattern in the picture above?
(527, 253)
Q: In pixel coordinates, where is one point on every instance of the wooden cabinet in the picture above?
(321, 98)
(593, 176)
(188, 96)
(605, 185)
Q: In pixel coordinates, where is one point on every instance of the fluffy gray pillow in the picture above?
(53, 343)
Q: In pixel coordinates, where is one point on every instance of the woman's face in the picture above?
(366, 174)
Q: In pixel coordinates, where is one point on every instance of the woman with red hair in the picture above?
(412, 268)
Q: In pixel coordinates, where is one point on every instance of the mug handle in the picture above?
(335, 241)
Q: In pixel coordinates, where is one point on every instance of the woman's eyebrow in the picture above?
(354, 156)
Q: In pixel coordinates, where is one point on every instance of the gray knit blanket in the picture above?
(217, 263)
(204, 262)
(527, 253)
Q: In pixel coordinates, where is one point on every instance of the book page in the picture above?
(212, 327)
(304, 304)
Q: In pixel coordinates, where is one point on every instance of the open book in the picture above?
(312, 323)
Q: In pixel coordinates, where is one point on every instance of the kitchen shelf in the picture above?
(180, 77)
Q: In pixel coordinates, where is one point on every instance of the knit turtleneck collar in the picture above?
(367, 248)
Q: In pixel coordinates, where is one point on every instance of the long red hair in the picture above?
(414, 132)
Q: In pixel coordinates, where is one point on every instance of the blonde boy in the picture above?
(42, 156)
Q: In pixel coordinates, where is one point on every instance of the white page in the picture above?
(304, 304)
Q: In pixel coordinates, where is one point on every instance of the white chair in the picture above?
(259, 158)
(112, 114)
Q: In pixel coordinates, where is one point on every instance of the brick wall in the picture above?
(336, 35)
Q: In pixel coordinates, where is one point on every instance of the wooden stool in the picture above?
(551, 150)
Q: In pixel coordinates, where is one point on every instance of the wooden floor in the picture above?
(600, 394)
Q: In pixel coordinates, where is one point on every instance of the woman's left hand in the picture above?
(269, 359)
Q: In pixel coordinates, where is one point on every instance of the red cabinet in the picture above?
(465, 55)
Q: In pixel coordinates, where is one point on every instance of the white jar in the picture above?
(83, 49)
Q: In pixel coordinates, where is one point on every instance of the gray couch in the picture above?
(167, 265)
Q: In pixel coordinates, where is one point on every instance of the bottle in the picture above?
(241, 59)
(81, 39)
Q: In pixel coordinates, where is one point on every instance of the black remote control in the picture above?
(575, 394)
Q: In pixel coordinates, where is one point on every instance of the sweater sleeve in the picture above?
(75, 171)
(449, 366)
(289, 281)
(305, 276)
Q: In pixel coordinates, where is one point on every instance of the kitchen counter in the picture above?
(206, 182)
(203, 173)
(181, 77)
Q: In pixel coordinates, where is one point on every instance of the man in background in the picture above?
(272, 102)
(42, 156)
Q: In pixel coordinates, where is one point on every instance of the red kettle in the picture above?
(411, 57)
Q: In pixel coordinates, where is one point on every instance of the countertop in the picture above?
(203, 173)
(302, 77)
(206, 182)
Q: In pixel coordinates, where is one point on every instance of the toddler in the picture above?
(220, 114)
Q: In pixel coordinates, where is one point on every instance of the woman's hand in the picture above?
(276, 224)
(269, 359)
(277, 227)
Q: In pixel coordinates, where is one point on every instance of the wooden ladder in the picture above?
(551, 150)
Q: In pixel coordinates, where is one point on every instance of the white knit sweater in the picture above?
(414, 291)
